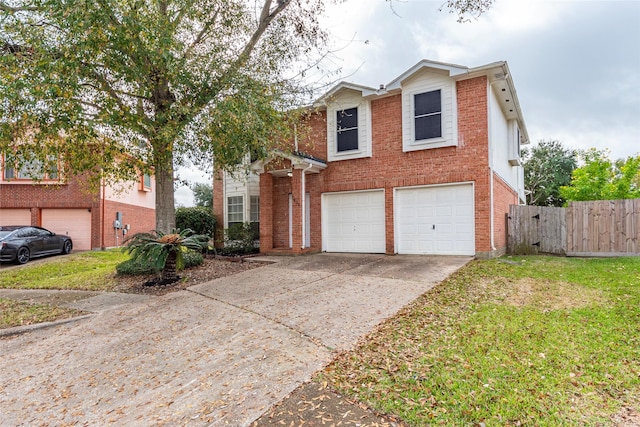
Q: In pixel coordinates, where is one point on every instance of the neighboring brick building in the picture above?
(427, 164)
(71, 208)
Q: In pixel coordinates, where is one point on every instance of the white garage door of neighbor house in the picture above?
(75, 223)
(435, 220)
(15, 217)
(354, 222)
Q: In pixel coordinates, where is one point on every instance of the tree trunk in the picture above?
(169, 273)
(165, 201)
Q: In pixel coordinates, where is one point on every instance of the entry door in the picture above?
(307, 223)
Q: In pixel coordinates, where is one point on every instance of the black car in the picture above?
(20, 243)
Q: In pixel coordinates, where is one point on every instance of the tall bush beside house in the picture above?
(200, 219)
(164, 251)
(241, 239)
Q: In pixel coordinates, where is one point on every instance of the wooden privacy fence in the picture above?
(596, 228)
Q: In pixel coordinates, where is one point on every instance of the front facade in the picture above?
(69, 207)
(427, 164)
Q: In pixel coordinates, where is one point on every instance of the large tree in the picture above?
(547, 167)
(117, 87)
(202, 194)
(599, 178)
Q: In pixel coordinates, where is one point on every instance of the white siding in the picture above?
(503, 146)
(240, 184)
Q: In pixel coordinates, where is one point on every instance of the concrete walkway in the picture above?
(219, 353)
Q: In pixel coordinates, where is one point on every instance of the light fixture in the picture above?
(290, 173)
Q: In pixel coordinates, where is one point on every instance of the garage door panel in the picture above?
(435, 220)
(355, 222)
(75, 223)
(15, 216)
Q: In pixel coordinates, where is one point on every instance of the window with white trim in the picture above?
(429, 113)
(254, 209)
(235, 208)
(347, 129)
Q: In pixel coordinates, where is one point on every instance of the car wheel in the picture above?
(23, 255)
(67, 246)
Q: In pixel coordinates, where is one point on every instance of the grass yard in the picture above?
(92, 271)
(19, 313)
(519, 341)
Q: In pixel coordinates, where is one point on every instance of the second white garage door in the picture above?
(353, 222)
(435, 220)
(75, 223)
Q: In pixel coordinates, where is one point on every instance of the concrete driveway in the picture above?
(219, 353)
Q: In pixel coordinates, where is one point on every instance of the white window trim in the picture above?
(242, 211)
(364, 132)
(449, 116)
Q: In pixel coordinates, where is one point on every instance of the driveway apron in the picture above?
(219, 353)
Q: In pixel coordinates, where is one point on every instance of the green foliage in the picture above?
(199, 219)
(157, 248)
(241, 238)
(601, 179)
(547, 167)
(146, 266)
(150, 82)
(203, 195)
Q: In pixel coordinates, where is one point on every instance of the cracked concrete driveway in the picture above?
(219, 353)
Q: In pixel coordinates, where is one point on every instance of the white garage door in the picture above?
(15, 217)
(354, 222)
(75, 223)
(435, 220)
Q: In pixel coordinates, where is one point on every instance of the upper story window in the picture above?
(145, 182)
(427, 115)
(33, 170)
(429, 112)
(347, 129)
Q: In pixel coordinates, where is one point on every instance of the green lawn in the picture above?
(91, 270)
(530, 341)
(19, 313)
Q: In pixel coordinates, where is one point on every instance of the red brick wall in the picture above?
(140, 219)
(503, 196)
(389, 167)
(73, 195)
(218, 207)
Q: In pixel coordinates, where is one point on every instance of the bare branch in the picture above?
(201, 35)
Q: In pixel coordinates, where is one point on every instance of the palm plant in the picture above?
(165, 252)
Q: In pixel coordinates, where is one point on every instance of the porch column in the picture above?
(296, 208)
(266, 212)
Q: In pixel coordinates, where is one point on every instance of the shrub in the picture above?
(134, 267)
(199, 219)
(241, 239)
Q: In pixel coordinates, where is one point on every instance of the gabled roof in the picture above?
(497, 73)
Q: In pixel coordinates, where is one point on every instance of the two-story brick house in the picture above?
(70, 207)
(427, 164)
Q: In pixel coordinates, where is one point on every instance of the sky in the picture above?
(575, 63)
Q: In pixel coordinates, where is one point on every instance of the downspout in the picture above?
(102, 224)
(303, 205)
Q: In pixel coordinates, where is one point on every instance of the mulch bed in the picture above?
(209, 270)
